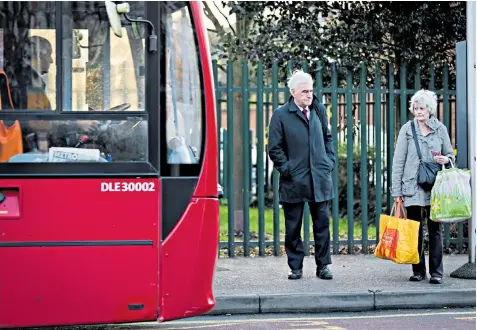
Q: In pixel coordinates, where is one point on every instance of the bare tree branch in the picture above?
(226, 18)
(222, 67)
(208, 13)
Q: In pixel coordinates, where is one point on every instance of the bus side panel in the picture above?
(188, 259)
(82, 251)
(77, 285)
(83, 209)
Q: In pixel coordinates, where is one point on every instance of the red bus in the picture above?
(108, 173)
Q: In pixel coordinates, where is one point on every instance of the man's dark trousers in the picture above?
(321, 232)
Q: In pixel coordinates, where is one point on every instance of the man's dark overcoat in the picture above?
(302, 152)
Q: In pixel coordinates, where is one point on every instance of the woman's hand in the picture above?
(442, 160)
(399, 199)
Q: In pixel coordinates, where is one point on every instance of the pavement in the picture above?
(253, 285)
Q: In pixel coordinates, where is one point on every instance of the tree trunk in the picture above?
(242, 28)
(238, 144)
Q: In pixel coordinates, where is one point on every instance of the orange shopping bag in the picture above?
(399, 237)
(11, 142)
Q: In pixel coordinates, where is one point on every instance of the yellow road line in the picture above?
(327, 328)
(308, 323)
(184, 327)
(465, 318)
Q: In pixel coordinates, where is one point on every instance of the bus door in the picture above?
(80, 205)
(189, 214)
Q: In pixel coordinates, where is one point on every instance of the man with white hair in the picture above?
(301, 148)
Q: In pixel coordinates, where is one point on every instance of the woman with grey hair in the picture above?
(434, 145)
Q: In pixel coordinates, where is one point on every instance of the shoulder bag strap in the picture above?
(414, 135)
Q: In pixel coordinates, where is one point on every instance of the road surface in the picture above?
(462, 319)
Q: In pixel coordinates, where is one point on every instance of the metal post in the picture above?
(472, 117)
(468, 270)
(364, 159)
(377, 145)
(349, 161)
(230, 158)
(461, 131)
(461, 106)
(246, 159)
(260, 162)
(276, 204)
(334, 134)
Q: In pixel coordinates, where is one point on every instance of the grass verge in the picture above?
(268, 216)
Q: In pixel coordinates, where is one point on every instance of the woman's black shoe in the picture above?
(435, 280)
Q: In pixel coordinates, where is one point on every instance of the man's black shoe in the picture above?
(417, 278)
(324, 273)
(295, 274)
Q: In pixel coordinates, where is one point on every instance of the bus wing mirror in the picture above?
(114, 11)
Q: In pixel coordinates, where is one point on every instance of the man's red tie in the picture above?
(305, 112)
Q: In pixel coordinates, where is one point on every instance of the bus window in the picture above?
(183, 93)
(105, 71)
(96, 71)
(28, 43)
(61, 141)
